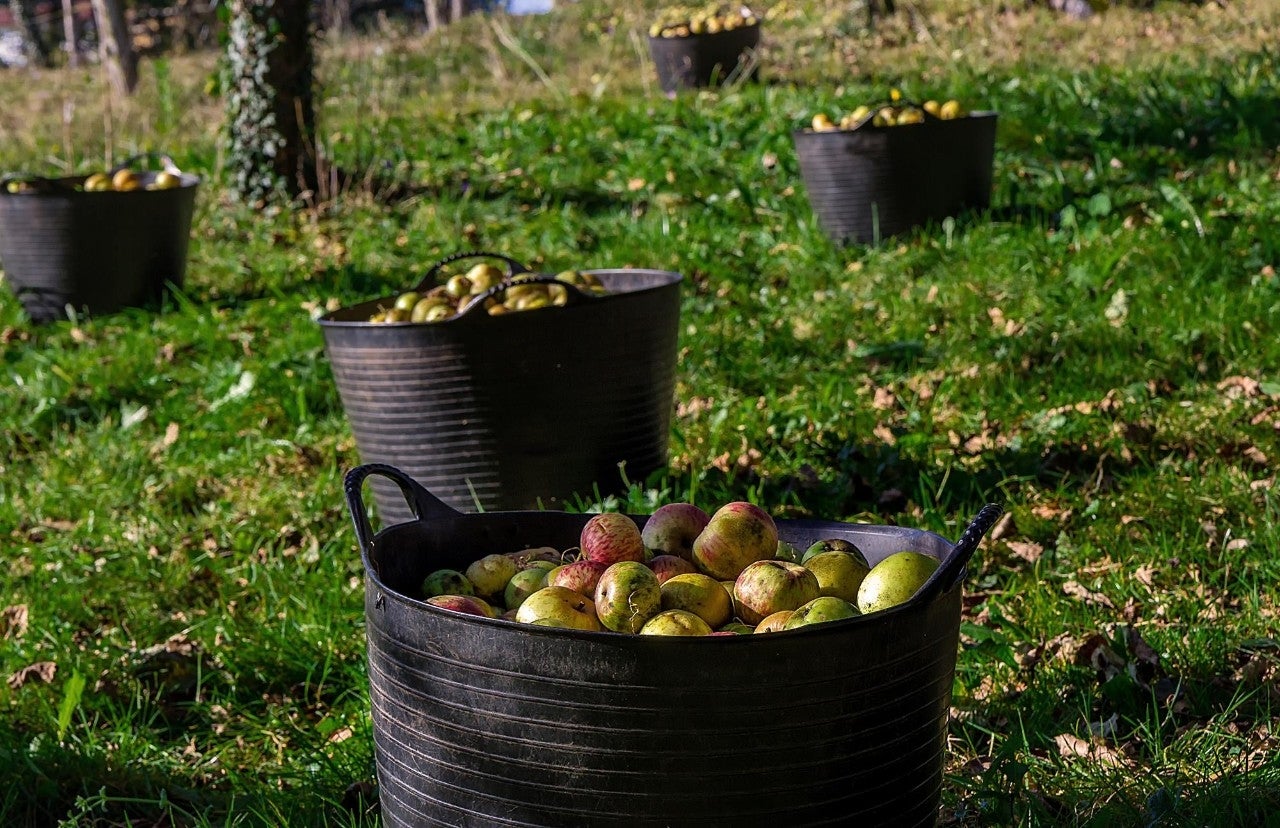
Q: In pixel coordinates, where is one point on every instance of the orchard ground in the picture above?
(182, 615)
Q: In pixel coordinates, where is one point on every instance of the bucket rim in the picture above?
(808, 134)
(703, 37)
(331, 319)
(946, 579)
(63, 186)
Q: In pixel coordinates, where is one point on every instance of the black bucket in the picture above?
(520, 411)
(485, 722)
(94, 251)
(702, 60)
(868, 183)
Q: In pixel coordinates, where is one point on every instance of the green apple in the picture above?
(557, 606)
(675, 622)
(820, 610)
(446, 582)
(895, 580)
(489, 575)
(838, 573)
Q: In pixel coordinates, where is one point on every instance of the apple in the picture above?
(833, 545)
(469, 604)
(699, 594)
(525, 557)
(667, 566)
(838, 573)
(446, 582)
(523, 584)
(787, 552)
(737, 628)
(770, 586)
(489, 575)
(675, 622)
(557, 606)
(611, 537)
(672, 528)
(821, 610)
(579, 576)
(738, 534)
(894, 580)
(774, 622)
(627, 596)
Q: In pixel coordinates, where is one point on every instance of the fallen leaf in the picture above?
(1237, 386)
(1118, 308)
(885, 434)
(1029, 551)
(40, 671)
(13, 621)
(1077, 590)
(1070, 746)
(1096, 652)
(1004, 528)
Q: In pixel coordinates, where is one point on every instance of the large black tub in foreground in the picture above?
(485, 722)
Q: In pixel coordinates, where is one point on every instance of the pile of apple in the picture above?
(685, 573)
(893, 114)
(457, 292)
(121, 181)
(684, 21)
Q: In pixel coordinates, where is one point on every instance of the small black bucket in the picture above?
(871, 182)
(485, 722)
(520, 411)
(704, 60)
(94, 251)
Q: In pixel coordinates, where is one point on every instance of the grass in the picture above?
(1096, 354)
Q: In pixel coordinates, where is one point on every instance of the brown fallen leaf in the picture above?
(1029, 551)
(1004, 528)
(40, 671)
(1078, 590)
(1070, 746)
(13, 621)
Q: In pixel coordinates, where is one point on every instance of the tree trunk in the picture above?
(115, 46)
(69, 33)
(270, 101)
(24, 17)
(433, 14)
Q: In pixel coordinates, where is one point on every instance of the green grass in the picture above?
(1096, 354)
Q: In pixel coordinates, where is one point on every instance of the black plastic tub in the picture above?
(98, 252)
(706, 60)
(869, 183)
(485, 722)
(521, 411)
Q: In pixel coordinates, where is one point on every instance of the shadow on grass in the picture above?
(51, 784)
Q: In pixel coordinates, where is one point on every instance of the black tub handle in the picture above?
(166, 161)
(514, 266)
(951, 570)
(424, 504)
(573, 294)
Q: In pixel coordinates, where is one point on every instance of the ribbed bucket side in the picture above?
(702, 60)
(872, 183)
(481, 722)
(412, 403)
(101, 251)
(522, 411)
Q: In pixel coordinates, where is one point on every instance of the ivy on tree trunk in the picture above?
(25, 20)
(270, 100)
